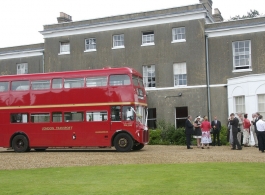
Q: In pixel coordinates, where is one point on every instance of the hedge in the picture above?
(167, 134)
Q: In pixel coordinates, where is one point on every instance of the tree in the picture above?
(251, 14)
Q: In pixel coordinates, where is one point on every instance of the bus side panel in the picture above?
(4, 99)
(57, 96)
(99, 133)
(4, 131)
(121, 94)
(40, 97)
(19, 98)
(92, 95)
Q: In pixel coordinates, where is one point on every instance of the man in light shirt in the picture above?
(261, 132)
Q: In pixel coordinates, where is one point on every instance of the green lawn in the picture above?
(200, 178)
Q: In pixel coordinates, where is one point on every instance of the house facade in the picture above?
(192, 62)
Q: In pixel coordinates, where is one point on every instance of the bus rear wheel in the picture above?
(123, 142)
(138, 147)
(20, 143)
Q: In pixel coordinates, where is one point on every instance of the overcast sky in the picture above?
(21, 20)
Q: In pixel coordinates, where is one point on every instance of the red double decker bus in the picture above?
(88, 108)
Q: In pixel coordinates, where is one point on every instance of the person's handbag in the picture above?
(238, 129)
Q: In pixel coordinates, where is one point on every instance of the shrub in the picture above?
(167, 134)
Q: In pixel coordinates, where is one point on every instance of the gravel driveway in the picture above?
(148, 155)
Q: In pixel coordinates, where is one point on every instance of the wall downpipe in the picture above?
(208, 78)
(43, 61)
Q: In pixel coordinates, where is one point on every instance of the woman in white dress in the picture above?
(206, 136)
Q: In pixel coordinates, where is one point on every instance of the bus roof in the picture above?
(93, 72)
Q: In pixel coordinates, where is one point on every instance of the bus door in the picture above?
(98, 127)
(122, 118)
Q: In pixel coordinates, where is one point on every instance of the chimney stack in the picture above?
(217, 15)
(208, 5)
(64, 18)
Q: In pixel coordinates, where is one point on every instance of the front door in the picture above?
(122, 118)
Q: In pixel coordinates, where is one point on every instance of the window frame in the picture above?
(152, 120)
(61, 47)
(174, 33)
(89, 44)
(235, 104)
(26, 70)
(152, 37)
(262, 112)
(119, 40)
(174, 74)
(235, 69)
(145, 77)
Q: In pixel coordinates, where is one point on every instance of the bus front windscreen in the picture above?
(141, 114)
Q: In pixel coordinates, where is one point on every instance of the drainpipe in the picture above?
(43, 61)
(208, 78)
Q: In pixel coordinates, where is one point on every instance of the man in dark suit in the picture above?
(216, 125)
(188, 131)
(234, 123)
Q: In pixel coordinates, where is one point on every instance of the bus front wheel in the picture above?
(123, 142)
(20, 143)
(138, 147)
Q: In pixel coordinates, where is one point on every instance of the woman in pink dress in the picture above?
(206, 136)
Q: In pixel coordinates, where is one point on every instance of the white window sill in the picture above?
(243, 70)
(64, 53)
(120, 47)
(180, 86)
(147, 44)
(90, 50)
(179, 41)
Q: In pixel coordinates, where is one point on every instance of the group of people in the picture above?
(201, 130)
(238, 125)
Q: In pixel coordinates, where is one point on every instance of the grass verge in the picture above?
(200, 178)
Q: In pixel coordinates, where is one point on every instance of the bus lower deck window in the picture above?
(19, 118)
(40, 118)
(73, 116)
(97, 116)
(57, 117)
(116, 113)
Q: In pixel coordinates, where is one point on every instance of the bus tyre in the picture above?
(20, 143)
(138, 147)
(123, 142)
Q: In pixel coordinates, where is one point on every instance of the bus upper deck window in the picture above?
(40, 84)
(119, 80)
(74, 83)
(20, 85)
(57, 83)
(96, 81)
(135, 81)
(4, 86)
